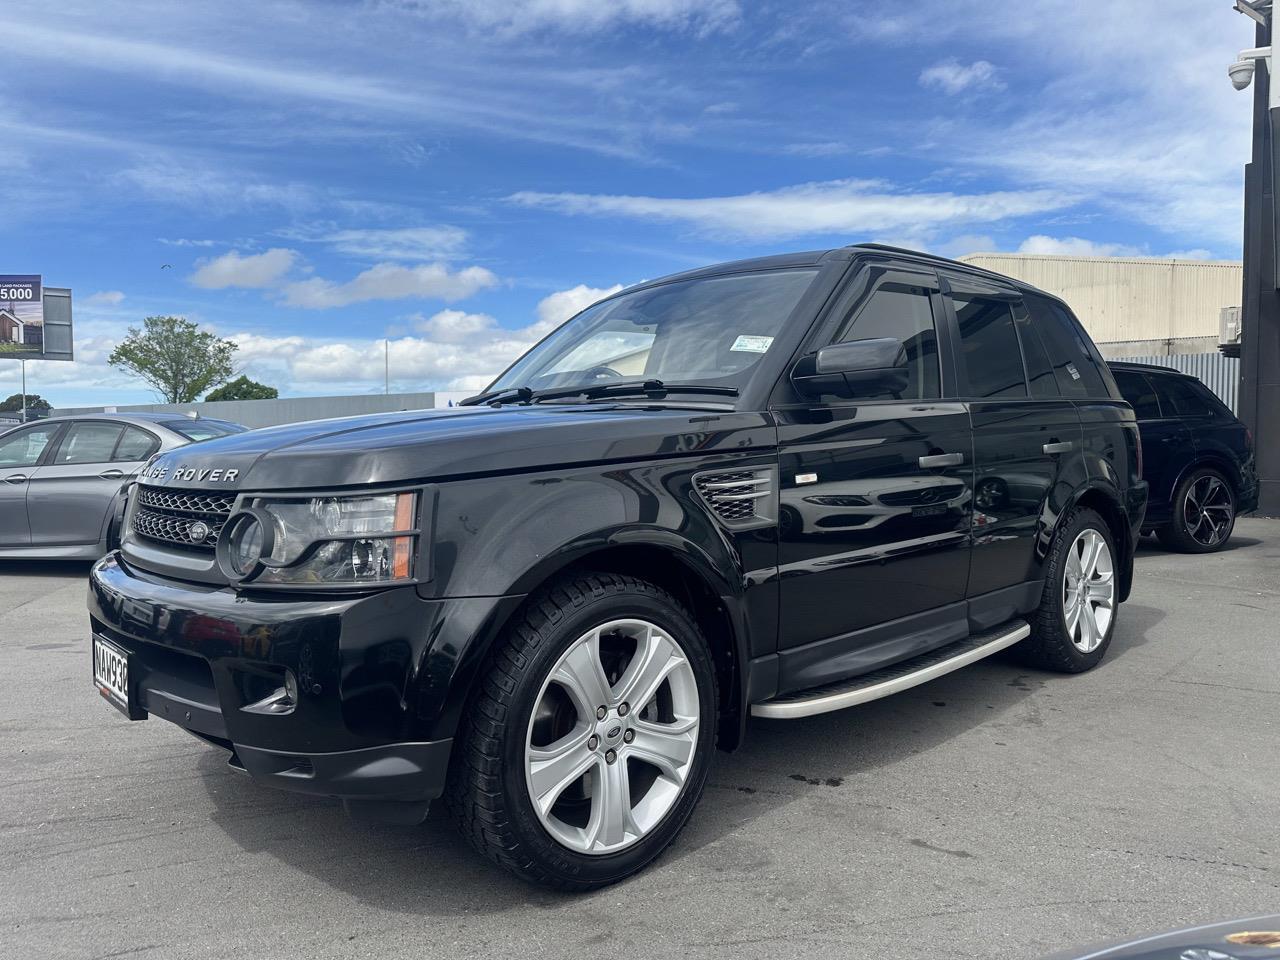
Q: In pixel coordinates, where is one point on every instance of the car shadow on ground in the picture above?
(45, 568)
(1150, 545)
(431, 870)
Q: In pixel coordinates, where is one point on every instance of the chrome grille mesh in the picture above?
(168, 515)
(737, 497)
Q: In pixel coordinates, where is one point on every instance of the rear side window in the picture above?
(1181, 397)
(88, 443)
(1137, 389)
(989, 344)
(1040, 376)
(905, 313)
(1074, 364)
(136, 444)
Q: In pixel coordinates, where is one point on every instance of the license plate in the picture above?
(111, 675)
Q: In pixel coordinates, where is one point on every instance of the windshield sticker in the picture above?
(746, 344)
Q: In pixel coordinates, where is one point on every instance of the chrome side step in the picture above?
(894, 679)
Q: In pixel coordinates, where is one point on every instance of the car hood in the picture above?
(419, 445)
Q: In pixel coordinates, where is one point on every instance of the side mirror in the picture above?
(857, 368)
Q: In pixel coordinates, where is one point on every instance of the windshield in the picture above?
(710, 331)
(197, 430)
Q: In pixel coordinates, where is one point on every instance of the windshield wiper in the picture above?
(518, 394)
(649, 388)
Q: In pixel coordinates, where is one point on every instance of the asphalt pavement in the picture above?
(996, 812)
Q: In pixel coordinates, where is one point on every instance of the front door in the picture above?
(875, 501)
(70, 496)
(20, 452)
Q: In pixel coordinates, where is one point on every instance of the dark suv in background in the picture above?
(775, 488)
(1198, 458)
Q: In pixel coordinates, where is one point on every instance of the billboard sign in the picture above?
(35, 320)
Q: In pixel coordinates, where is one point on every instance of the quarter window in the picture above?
(989, 344)
(1181, 397)
(136, 444)
(904, 312)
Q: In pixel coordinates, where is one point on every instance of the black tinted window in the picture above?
(136, 444)
(89, 443)
(905, 313)
(1137, 389)
(989, 345)
(1181, 398)
(1074, 364)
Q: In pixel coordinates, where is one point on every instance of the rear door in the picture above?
(1025, 436)
(875, 498)
(71, 495)
(1167, 444)
(20, 454)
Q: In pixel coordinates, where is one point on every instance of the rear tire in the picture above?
(1204, 513)
(537, 775)
(1073, 627)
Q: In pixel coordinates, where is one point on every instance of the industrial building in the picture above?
(1134, 306)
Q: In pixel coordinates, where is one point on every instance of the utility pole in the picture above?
(386, 366)
(1260, 320)
(23, 365)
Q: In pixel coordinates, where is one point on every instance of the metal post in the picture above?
(23, 364)
(386, 365)
(1260, 322)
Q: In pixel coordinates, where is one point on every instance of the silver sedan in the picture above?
(63, 480)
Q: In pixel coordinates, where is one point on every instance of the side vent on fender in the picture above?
(740, 499)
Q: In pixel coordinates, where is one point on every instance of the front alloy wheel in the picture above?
(610, 747)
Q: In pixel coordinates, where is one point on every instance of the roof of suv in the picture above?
(809, 258)
(1148, 368)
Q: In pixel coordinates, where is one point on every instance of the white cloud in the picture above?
(253, 271)
(555, 309)
(581, 16)
(953, 77)
(1076, 247)
(441, 242)
(455, 326)
(824, 148)
(855, 208)
(390, 281)
(109, 297)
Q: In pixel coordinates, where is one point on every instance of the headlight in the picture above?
(335, 541)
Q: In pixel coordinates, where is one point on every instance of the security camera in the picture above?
(1241, 73)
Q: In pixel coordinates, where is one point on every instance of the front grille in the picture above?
(740, 497)
(169, 515)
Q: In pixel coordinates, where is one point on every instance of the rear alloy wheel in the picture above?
(1204, 514)
(589, 743)
(1077, 617)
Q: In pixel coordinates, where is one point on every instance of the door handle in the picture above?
(1064, 446)
(112, 475)
(941, 460)
(16, 478)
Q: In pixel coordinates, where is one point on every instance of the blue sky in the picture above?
(460, 175)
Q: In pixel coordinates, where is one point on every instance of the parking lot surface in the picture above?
(994, 812)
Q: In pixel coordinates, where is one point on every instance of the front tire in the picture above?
(1072, 629)
(1204, 513)
(589, 742)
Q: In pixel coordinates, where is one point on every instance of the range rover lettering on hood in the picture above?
(160, 471)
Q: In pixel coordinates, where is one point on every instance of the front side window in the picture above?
(88, 443)
(1137, 390)
(904, 312)
(989, 347)
(23, 448)
(704, 331)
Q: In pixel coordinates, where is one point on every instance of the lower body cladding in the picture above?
(342, 696)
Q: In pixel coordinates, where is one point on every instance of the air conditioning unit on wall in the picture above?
(1229, 321)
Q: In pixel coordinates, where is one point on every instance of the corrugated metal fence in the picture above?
(1220, 374)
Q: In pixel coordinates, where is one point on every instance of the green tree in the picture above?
(242, 388)
(35, 403)
(176, 357)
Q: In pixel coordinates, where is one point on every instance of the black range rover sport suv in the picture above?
(775, 488)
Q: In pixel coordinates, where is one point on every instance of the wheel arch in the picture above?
(1106, 502)
(667, 561)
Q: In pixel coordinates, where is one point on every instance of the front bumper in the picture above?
(379, 679)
